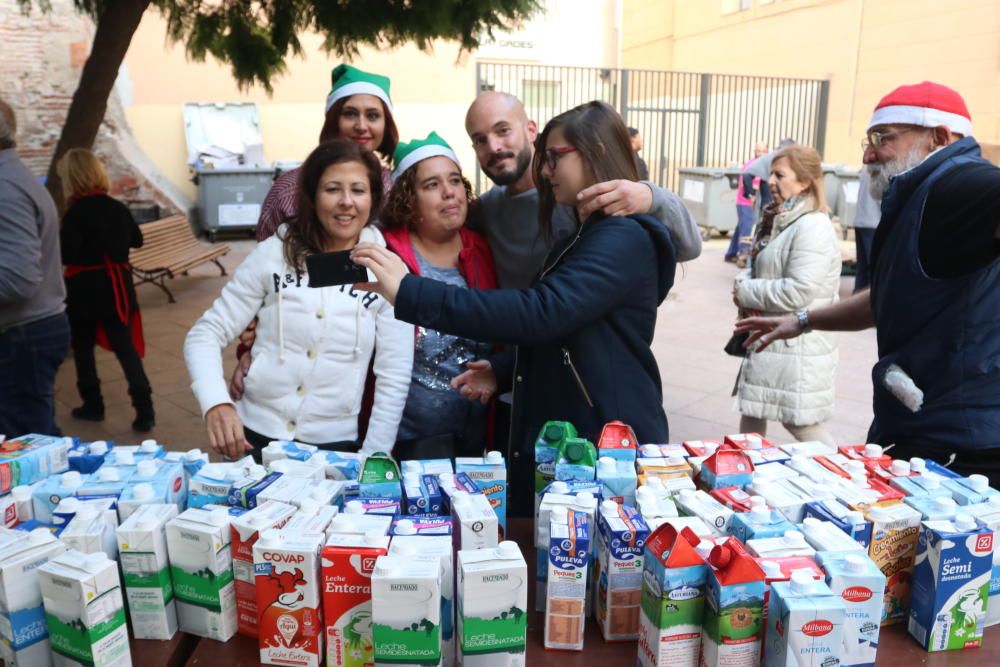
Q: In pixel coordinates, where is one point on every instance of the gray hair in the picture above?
(8, 126)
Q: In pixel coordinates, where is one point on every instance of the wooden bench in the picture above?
(170, 248)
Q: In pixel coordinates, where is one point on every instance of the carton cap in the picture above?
(556, 487)
(900, 468)
(405, 527)
(257, 471)
(147, 446)
(965, 522)
(754, 441)
(274, 447)
(95, 562)
(373, 537)
(757, 501)
(649, 451)
(979, 482)
(854, 467)
(585, 500)
(341, 523)
(771, 569)
(98, 448)
(318, 459)
(872, 451)
(193, 454)
(40, 536)
(124, 458)
(760, 513)
(493, 457)
(802, 582)
(108, 474)
(70, 480)
(508, 549)
(859, 479)
(643, 493)
(917, 464)
(142, 492)
(793, 537)
(354, 507)
(218, 516)
(559, 513)
(384, 568)
(653, 483)
(23, 492)
(606, 464)
(853, 517)
(809, 521)
(610, 506)
(856, 563)
(146, 468)
(944, 504)
(931, 482)
(270, 538)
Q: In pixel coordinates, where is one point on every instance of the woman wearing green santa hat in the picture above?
(359, 109)
(424, 219)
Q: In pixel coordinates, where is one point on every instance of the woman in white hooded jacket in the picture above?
(313, 345)
(795, 265)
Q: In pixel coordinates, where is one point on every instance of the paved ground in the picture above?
(694, 324)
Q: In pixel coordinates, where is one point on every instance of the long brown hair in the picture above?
(807, 166)
(331, 128)
(305, 234)
(598, 133)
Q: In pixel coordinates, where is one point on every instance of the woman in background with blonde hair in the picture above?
(97, 233)
(795, 266)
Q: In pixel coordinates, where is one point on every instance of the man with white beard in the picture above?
(935, 286)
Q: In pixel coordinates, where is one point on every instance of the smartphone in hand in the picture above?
(334, 268)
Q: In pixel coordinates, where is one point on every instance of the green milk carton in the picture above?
(406, 611)
(547, 447)
(492, 607)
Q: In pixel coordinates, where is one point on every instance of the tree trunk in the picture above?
(115, 28)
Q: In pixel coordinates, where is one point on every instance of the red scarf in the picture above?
(118, 273)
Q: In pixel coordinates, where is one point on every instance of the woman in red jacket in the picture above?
(425, 225)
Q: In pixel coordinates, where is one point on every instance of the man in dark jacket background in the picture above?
(935, 284)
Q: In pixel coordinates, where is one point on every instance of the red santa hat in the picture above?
(925, 104)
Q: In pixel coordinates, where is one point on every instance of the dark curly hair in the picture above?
(331, 128)
(304, 234)
(400, 209)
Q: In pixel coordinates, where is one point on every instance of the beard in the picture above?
(882, 173)
(522, 160)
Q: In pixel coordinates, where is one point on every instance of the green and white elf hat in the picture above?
(409, 154)
(349, 81)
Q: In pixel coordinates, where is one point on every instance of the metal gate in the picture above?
(686, 119)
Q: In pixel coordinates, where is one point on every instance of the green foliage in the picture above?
(256, 36)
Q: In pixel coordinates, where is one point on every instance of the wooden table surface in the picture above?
(897, 648)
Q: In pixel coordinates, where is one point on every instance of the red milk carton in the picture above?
(746, 441)
(244, 531)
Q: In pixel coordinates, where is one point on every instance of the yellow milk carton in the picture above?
(895, 531)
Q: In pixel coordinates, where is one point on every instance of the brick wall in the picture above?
(43, 55)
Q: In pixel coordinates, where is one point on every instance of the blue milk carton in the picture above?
(490, 473)
(932, 469)
(617, 580)
(427, 466)
(761, 521)
(342, 466)
(155, 469)
(827, 536)
(570, 487)
(286, 449)
(850, 521)
(805, 624)
(920, 485)
(107, 482)
(192, 461)
(420, 524)
(452, 485)
(988, 515)
(31, 458)
(951, 583)
(50, 492)
(859, 583)
(416, 500)
(566, 601)
(87, 457)
(247, 492)
(933, 508)
(617, 479)
(971, 490)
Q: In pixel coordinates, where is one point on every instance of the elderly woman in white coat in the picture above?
(314, 344)
(795, 266)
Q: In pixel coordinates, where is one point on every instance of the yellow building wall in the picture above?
(865, 48)
(430, 90)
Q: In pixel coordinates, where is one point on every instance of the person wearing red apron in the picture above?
(97, 233)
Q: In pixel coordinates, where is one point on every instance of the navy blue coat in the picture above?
(583, 333)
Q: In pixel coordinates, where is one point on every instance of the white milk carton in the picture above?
(348, 563)
(805, 624)
(782, 495)
(474, 522)
(289, 598)
(312, 518)
(90, 531)
(792, 543)
(706, 508)
(490, 474)
(566, 597)
(84, 610)
(313, 468)
(826, 536)
(201, 569)
(142, 548)
(23, 630)
(359, 524)
(435, 547)
(859, 583)
(67, 508)
(492, 607)
(406, 611)
(244, 531)
(988, 514)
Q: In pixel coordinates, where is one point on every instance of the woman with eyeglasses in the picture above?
(583, 330)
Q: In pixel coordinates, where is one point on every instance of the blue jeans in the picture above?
(744, 225)
(30, 355)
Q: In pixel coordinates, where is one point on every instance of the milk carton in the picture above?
(287, 578)
(192, 461)
(759, 522)
(737, 499)
(136, 495)
(920, 485)
(781, 569)
(988, 514)
(379, 484)
(971, 490)
(286, 449)
(67, 509)
(437, 548)
(474, 522)
(165, 475)
(748, 441)
(92, 530)
(706, 508)
(808, 467)
(808, 449)
(201, 569)
(421, 493)
(668, 467)
(87, 457)
(342, 466)
(421, 525)
(859, 583)
(893, 549)
(492, 620)
(951, 583)
(566, 599)
(618, 441)
(406, 611)
(792, 543)
(428, 466)
(142, 548)
(571, 487)
(547, 447)
(312, 518)
(211, 484)
(23, 630)
(47, 495)
(934, 508)
(672, 600)
(312, 468)
(805, 624)
(31, 458)
(107, 482)
(930, 468)
(813, 490)
(244, 532)
(617, 581)
(584, 503)
(577, 459)
(731, 635)
(84, 610)
(246, 492)
(360, 524)
(783, 496)
(617, 479)
(347, 565)
(294, 490)
(655, 504)
(451, 485)
(490, 473)
(704, 448)
(826, 536)
(850, 521)
(726, 467)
